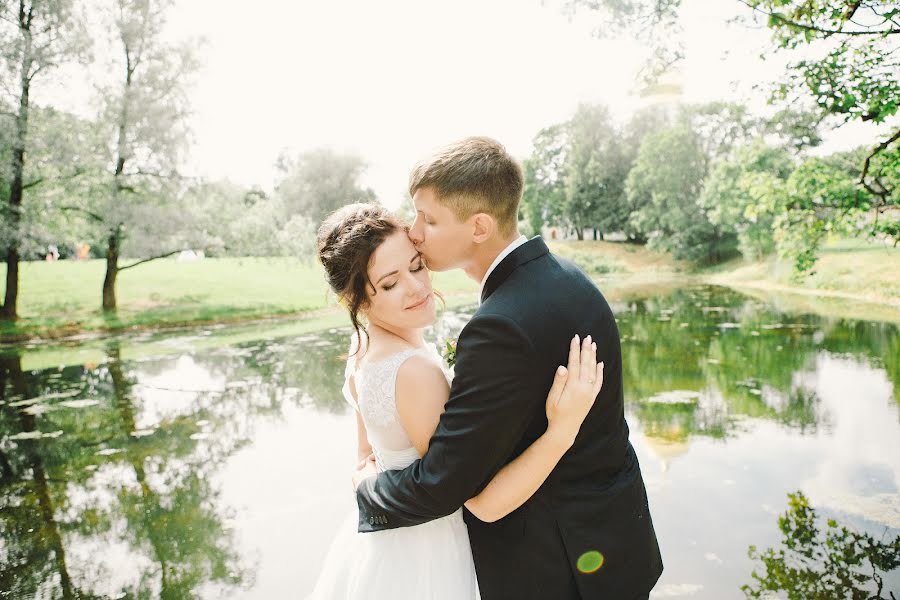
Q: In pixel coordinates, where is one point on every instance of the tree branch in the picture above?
(93, 215)
(809, 27)
(851, 10)
(865, 170)
(149, 259)
(31, 184)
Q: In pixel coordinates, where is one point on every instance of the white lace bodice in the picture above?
(375, 384)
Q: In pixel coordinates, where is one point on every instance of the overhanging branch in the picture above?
(92, 215)
(809, 27)
(867, 163)
(149, 259)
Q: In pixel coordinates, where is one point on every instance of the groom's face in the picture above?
(438, 234)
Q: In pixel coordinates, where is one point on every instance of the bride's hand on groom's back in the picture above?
(574, 390)
(364, 469)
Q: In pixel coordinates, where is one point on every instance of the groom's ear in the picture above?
(483, 227)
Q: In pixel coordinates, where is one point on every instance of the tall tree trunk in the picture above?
(112, 271)
(9, 310)
(115, 238)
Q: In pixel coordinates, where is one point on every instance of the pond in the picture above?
(193, 465)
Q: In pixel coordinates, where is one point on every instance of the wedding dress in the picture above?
(432, 561)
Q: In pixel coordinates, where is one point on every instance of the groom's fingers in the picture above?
(575, 358)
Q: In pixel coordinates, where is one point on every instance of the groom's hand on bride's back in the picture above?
(364, 469)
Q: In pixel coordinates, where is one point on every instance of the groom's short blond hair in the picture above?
(473, 175)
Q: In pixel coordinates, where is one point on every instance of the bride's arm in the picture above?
(422, 392)
(363, 447)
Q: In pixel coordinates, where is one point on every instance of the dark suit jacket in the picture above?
(593, 507)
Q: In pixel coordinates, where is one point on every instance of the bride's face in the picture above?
(401, 293)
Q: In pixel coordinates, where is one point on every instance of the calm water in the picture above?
(191, 468)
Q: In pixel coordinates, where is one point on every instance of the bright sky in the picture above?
(391, 80)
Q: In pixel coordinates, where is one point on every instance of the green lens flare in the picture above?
(590, 562)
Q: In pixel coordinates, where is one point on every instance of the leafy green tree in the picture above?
(145, 115)
(842, 58)
(821, 564)
(35, 37)
(595, 171)
(318, 182)
(545, 193)
(821, 197)
(65, 166)
(745, 193)
(232, 220)
(848, 58)
(719, 126)
(793, 129)
(664, 184)
(643, 122)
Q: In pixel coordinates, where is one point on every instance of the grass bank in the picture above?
(62, 299)
(847, 270)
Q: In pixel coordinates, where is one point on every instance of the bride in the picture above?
(397, 386)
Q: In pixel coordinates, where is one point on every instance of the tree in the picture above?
(35, 37)
(821, 196)
(843, 59)
(850, 58)
(664, 184)
(745, 193)
(318, 182)
(65, 162)
(719, 126)
(542, 200)
(595, 171)
(643, 122)
(233, 220)
(654, 23)
(146, 114)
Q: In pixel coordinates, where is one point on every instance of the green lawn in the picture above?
(64, 297)
(849, 268)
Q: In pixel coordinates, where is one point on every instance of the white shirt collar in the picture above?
(506, 252)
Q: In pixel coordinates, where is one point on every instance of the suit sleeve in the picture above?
(496, 388)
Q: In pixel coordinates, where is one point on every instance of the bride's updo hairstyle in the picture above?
(346, 241)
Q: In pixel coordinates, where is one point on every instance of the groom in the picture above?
(586, 533)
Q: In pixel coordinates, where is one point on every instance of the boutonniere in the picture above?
(449, 352)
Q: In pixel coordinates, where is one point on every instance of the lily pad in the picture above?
(35, 435)
(675, 397)
(108, 451)
(79, 403)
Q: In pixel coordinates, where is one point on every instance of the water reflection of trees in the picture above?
(103, 476)
(812, 562)
(741, 356)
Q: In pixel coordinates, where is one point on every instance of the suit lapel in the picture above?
(530, 250)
